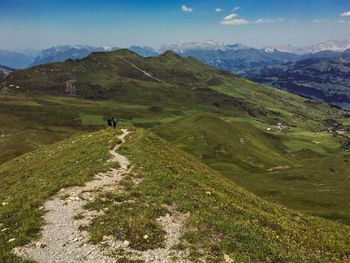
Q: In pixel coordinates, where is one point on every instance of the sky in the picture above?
(38, 24)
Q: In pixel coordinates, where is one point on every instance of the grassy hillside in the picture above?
(167, 80)
(224, 219)
(26, 123)
(30, 179)
(227, 122)
(299, 168)
(115, 75)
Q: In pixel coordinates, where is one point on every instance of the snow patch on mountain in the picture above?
(330, 45)
(182, 46)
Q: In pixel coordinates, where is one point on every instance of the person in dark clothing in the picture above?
(109, 121)
(114, 122)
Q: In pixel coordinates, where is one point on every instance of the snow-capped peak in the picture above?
(107, 48)
(181, 46)
(269, 49)
(331, 45)
(286, 49)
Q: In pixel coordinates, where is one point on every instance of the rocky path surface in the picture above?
(61, 240)
(173, 224)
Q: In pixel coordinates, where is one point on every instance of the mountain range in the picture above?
(257, 64)
(238, 54)
(331, 45)
(325, 78)
(320, 71)
(62, 53)
(14, 59)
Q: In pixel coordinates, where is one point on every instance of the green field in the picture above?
(27, 123)
(297, 167)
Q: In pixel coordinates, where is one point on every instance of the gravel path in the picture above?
(61, 240)
(173, 224)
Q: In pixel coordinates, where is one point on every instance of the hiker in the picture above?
(114, 122)
(109, 122)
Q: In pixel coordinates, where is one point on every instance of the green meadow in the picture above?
(275, 165)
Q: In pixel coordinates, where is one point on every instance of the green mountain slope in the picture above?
(283, 148)
(301, 169)
(118, 75)
(323, 78)
(223, 218)
(167, 80)
(212, 138)
(28, 180)
(226, 121)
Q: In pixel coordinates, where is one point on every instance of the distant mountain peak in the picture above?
(180, 46)
(126, 52)
(269, 49)
(108, 48)
(144, 51)
(169, 53)
(286, 49)
(17, 59)
(61, 53)
(236, 46)
(329, 45)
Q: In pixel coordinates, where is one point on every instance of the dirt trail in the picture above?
(173, 224)
(61, 239)
(144, 72)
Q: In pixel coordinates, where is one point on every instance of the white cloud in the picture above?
(318, 21)
(264, 21)
(236, 8)
(230, 17)
(345, 14)
(233, 20)
(186, 9)
(343, 22)
(269, 20)
(219, 10)
(237, 21)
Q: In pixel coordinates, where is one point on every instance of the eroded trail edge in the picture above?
(61, 240)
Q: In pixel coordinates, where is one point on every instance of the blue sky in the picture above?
(37, 24)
